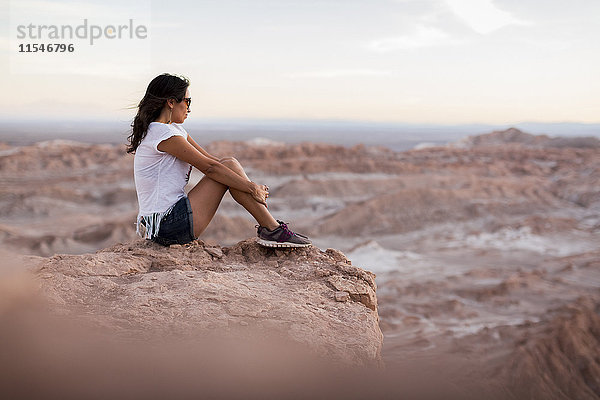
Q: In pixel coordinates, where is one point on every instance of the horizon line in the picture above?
(250, 120)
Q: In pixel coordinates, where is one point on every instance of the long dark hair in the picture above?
(160, 89)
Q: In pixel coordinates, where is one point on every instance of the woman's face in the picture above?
(181, 109)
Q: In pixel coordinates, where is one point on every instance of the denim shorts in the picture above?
(177, 227)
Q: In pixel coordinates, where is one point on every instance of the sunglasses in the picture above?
(188, 101)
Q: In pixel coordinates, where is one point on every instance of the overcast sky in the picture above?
(417, 61)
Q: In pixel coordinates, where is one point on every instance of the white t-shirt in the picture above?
(160, 178)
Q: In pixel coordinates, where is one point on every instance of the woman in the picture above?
(164, 156)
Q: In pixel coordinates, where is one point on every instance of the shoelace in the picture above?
(286, 234)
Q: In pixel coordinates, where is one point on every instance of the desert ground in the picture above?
(486, 251)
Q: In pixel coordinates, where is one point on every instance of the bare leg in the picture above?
(206, 196)
(260, 213)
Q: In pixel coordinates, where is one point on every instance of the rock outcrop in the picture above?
(315, 298)
(559, 358)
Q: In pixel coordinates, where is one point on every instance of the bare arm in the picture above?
(200, 149)
(182, 149)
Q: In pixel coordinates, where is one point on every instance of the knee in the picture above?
(226, 160)
(231, 163)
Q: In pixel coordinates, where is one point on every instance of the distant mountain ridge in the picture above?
(516, 136)
(397, 136)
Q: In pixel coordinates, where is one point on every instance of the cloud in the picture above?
(445, 23)
(481, 15)
(339, 73)
(552, 11)
(422, 36)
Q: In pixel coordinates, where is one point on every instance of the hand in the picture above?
(260, 193)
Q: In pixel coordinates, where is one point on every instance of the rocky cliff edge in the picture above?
(313, 297)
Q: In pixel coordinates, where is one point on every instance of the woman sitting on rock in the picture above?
(164, 156)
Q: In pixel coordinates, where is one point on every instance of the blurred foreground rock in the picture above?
(142, 289)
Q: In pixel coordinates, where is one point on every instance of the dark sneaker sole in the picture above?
(268, 243)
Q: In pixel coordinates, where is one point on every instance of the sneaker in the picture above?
(281, 237)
